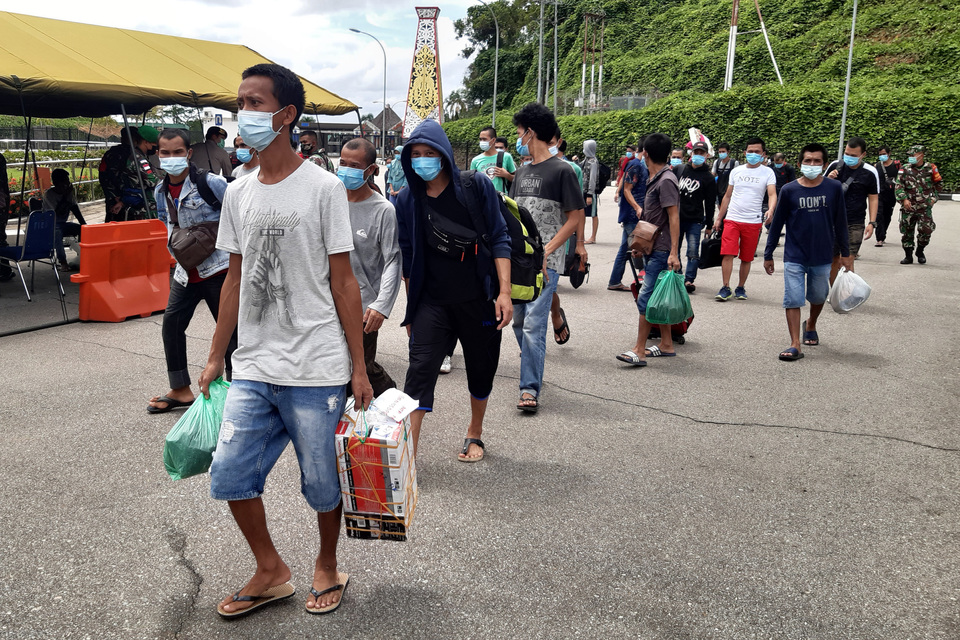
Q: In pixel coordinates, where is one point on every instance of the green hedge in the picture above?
(786, 117)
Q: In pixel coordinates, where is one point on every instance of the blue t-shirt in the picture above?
(636, 174)
(814, 217)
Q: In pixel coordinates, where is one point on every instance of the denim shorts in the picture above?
(653, 264)
(797, 278)
(259, 419)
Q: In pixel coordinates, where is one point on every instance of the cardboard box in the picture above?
(378, 476)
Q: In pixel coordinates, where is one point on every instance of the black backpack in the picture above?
(603, 177)
(526, 245)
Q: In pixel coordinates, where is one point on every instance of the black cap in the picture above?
(701, 146)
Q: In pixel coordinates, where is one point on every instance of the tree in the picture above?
(367, 116)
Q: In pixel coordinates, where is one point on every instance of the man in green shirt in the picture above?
(498, 165)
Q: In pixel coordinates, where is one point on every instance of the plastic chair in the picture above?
(38, 239)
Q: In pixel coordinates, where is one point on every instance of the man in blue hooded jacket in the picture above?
(457, 276)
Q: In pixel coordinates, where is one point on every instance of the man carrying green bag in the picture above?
(661, 207)
(188, 449)
(669, 303)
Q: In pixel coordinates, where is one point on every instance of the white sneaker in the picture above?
(447, 365)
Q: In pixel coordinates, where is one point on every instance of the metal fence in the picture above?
(45, 137)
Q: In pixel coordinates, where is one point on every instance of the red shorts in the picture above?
(740, 238)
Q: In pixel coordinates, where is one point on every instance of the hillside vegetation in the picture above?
(906, 71)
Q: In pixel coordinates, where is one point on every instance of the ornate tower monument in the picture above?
(425, 96)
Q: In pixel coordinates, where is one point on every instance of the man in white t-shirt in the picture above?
(291, 290)
(741, 215)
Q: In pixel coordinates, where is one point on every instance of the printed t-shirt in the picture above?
(487, 164)
(548, 190)
(636, 174)
(288, 328)
(749, 188)
(814, 217)
(662, 191)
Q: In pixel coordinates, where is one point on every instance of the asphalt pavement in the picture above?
(719, 494)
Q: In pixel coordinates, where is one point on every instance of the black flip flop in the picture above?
(529, 408)
(466, 447)
(559, 330)
(171, 405)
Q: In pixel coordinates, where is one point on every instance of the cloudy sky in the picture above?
(312, 37)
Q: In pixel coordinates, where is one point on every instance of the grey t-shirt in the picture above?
(376, 252)
(548, 190)
(663, 191)
(288, 329)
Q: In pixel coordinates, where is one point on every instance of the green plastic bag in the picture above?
(188, 448)
(669, 303)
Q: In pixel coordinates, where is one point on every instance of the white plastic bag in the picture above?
(848, 292)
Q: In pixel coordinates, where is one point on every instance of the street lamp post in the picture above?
(846, 89)
(496, 61)
(383, 125)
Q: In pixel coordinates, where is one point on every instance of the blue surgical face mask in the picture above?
(351, 177)
(553, 151)
(484, 145)
(723, 155)
(522, 149)
(174, 166)
(526, 162)
(884, 158)
(643, 161)
(778, 165)
(675, 162)
(811, 171)
(698, 160)
(850, 161)
(256, 128)
(912, 159)
(754, 158)
(427, 167)
(629, 154)
(244, 155)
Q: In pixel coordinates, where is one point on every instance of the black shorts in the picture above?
(434, 328)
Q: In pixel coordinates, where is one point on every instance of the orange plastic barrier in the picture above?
(124, 270)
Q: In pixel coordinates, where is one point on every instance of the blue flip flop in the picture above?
(791, 354)
(810, 338)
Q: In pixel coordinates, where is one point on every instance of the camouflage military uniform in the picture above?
(919, 185)
(118, 177)
(322, 161)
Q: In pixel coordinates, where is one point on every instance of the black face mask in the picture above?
(306, 147)
(151, 151)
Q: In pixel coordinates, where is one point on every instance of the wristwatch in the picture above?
(873, 222)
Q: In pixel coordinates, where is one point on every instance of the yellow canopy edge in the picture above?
(63, 69)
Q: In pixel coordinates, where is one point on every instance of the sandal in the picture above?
(466, 446)
(273, 594)
(655, 352)
(810, 338)
(563, 325)
(171, 405)
(631, 358)
(791, 354)
(618, 287)
(525, 406)
(344, 579)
